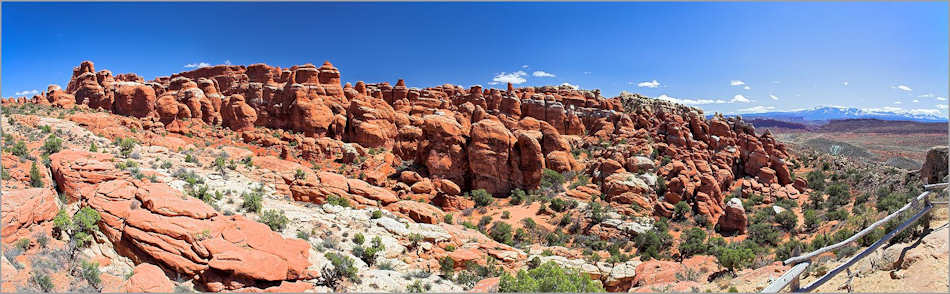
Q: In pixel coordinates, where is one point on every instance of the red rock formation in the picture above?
(148, 222)
(23, 209)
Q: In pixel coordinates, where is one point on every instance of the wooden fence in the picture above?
(792, 277)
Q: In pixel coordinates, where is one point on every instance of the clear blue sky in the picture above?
(889, 54)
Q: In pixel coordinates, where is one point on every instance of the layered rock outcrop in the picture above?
(151, 223)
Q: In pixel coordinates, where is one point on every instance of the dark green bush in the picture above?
(549, 277)
(275, 219)
(482, 198)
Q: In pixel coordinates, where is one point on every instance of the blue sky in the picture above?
(726, 57)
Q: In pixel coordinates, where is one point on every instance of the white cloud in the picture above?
(747, 88)
(514, 78)
(845, 83)
(942, 106)
(196, 65)
(773, 97)
(575, 87)
(227, 62)
(28, 92)
(524, 66)
(542, 74)
(926, 95)
(776, 82)
(739, 98)
(736, 83)
(915, 101)
(898, 102)
(690, 101)
(902, 88)
(649, 84)
(756, 109)
(942, 98)
(493, 83)
(586, 72)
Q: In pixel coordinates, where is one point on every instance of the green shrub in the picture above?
(417, 287)
(93, 147)
(816, 180)
(359, 239)
(652, 244)
(484, 221)
(812, 220)
(303, 235)
(734, 257)
(482, 198)
(580, 180)
(763, 233)
(517, 197)
(694, 242)
(549, 277)
(552, 182)
(660, 186)
(42, 239)
(275, 219)
(126, 145)
(838, 195)
(447, 265)
(341, 267)
(369, 254)
(837, 214)
(560, 205)
(18, 149)
(36, 179)
(787, 219)
(299, 174)
(252, 201)
(52, 145)
(42, 281)
(787, 249)
(23, 244)
(681, 210)
(338, 201)
(90, 272)
(448, 218)
(501, 232)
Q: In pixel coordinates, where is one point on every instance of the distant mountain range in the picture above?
(821, 115)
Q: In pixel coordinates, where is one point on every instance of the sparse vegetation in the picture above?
(548, 277)
(482, 198)
(275, 219)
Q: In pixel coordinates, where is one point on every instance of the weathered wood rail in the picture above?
(792, 278)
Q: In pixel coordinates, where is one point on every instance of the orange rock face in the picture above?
(25, 208)
(148, 278)
(148, 222)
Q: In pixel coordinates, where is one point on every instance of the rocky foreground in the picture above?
(258, 178)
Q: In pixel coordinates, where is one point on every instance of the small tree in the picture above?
(734, 257)
(482, 198)
(549, 277)
(36, 179)
(275, 219)
(681, 210)
(341, 267)
(694, 243)
(787, 219)
(501, 232)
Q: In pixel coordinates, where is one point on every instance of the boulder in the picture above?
(734, 220)
(934, 169)
(148, 278)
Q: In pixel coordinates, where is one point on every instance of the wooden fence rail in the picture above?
(792, 277)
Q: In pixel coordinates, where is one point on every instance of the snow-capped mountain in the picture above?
(827, 113)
